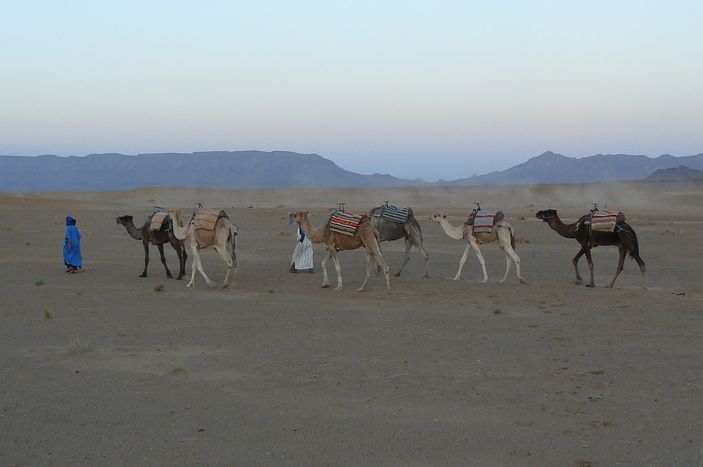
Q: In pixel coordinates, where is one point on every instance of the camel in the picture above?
(411, 232)
(365, 235)
(157, 238)
(624, 238)
(222, 239)
(502, 232)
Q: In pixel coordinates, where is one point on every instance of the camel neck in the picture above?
(565, 230)
(457, 233)
(133, 231)
(178, 230)
(315, 236)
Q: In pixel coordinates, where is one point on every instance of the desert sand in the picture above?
(102, 368)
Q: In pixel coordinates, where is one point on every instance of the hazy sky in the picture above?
(417, 89)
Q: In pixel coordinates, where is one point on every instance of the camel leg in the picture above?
(590, 267)
(146, 258)
(575, 262)
(325, 279)
(374, 248)
(418, 244)
(621, 263)
(480, 260)
(163, 260)
(462, 261)
(408, 247)
(227, 257)
(181, 252)
(508, 250)
(507, 267)
(193, 267)
(643, 270)
(369, 271)
(338, 270)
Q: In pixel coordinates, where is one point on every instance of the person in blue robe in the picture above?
(72, 247)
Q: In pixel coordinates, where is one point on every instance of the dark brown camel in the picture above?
(411, 232)
(624, 238)
(157, 238)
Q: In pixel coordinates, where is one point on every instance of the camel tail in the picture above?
(232, 239)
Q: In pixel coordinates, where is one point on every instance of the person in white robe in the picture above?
(302, 255)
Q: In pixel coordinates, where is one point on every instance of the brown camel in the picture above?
(222, 239)
(624, 238)
(411, 232)
(157, 238)
(365, 236)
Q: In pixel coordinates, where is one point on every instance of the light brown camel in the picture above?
(365, 236)
(222, 239)
(502, 232)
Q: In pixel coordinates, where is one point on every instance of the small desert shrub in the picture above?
(271, 291)
(78, 347)
(39, 283)
(497, 311)
(27, 243)
(178, 370)
(159, 288)
(520, 217)
(48, 314)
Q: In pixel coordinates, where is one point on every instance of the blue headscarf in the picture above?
(70, 220)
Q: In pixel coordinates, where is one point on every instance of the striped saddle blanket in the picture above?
(395, 214)
(604, 221)
(483, 221)
(344, 222)
(157, 221)
(206, 218)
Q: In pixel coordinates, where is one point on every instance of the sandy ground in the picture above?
(99, 368)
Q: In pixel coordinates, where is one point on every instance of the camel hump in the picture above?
(206, 219)
(157, 221)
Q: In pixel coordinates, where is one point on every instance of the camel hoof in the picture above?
(425, 276)
(397, 274)
(590, 285)
(523, 281)
(501, 281)
(456, 278)
(211, 285)
(325, 286)
(224, 286)
(338, 288)
(484, 281)
(179, 278)
(142, 275)
(609, 286)
(360, 289)
(169, 276)
(190, 284)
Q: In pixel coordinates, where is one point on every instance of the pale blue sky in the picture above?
(417, 89)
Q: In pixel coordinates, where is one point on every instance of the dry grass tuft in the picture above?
(48, 313)
(39, 283)
(77, 347)
(160, 288)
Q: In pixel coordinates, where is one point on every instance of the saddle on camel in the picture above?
(206, 219)
(481, 221)
(159, 221)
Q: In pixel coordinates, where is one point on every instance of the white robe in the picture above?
(302, 255)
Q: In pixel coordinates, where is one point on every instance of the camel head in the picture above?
(124, 220)
(546, 214)
(298, 217)
(439, 217)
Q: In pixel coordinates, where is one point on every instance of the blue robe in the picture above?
(72, 257)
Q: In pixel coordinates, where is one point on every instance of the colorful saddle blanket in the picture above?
(604, 221)
(483, 221)
(205, 218)
(344, 222)
(157, 221)
(395, 214)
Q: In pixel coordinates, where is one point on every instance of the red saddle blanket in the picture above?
(344, 222)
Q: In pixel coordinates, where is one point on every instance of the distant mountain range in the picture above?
(280, 169)
(550, 168)
(675, 174)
